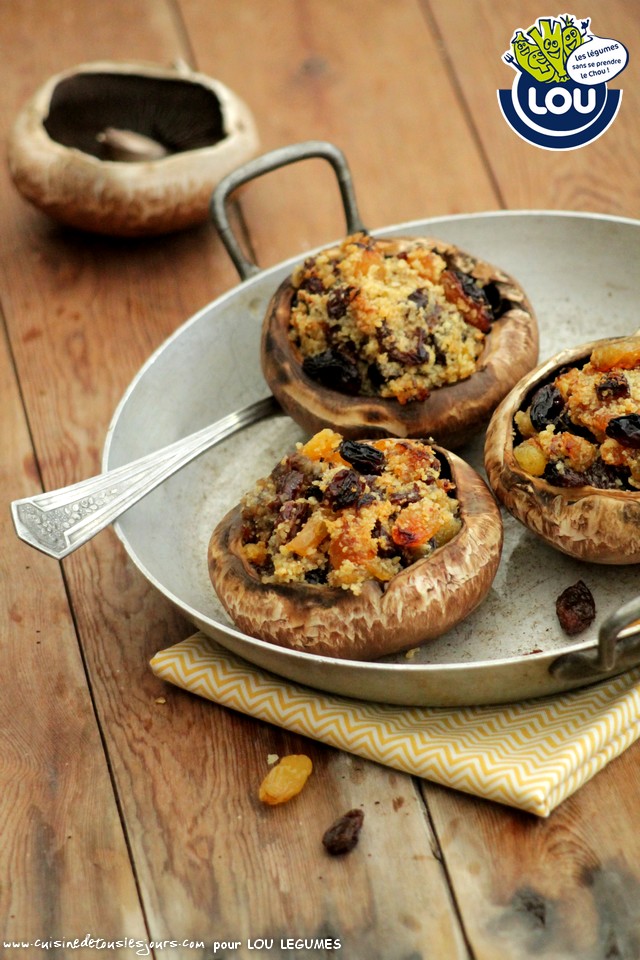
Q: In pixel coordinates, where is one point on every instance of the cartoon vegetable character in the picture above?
(547, 35)
(527, 57)
(522, 49)
(539, 67)
(571, 36)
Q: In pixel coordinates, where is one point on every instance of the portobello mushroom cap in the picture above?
(418, 604)
(128, 149)
(588, 523)
(451, 414)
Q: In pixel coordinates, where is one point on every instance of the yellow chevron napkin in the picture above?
(530, 755)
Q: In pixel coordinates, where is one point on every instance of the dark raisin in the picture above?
(289, 485)
(313, 284)
(498, 304)
(407, 495)
(315, 491)
(613, 386)
(338, 301)
(470, 286)
(440, 356)
(547, 406)
(459, 286)
(376, 376)
(564, 424)
(421, 347)
(344, 489)
(343, 834)
(317, 575)
(605, 476)
(407, 358)
(559, 475)
(384, 336)
(576, 608)
(362, 457)
(626, 430)
(248, 531)
(294, 512)
(334, 370)
(385, 545)
(420, 297)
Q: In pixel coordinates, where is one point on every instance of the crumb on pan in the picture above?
(341, 512)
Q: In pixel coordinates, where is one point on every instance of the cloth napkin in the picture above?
(531, 755)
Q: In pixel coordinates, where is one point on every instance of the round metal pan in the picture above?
(578, 272)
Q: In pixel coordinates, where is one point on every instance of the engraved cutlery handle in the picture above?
(60, 521)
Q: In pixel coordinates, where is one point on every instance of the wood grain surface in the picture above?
(129, 809)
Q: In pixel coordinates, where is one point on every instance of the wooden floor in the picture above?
(121, 817)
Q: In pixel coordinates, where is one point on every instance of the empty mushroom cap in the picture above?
(77, 150)
(452, 413)
(590, 524)
(420, 603)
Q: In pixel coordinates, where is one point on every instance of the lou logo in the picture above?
(559, 99)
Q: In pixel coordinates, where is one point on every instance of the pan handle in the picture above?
(273, 161)
(618, 648)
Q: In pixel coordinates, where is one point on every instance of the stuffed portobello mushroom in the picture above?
(357, 549)
(403, 338)
(562, 451)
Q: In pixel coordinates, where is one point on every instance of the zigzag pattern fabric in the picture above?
(531, 755)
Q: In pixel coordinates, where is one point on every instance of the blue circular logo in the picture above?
(558, 116)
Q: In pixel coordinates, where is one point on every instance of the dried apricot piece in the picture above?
(323, 446)
(286, 779)
(308, 538)
(623, 353)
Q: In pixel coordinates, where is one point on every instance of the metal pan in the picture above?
(576, 269)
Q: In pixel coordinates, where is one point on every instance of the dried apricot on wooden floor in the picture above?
(286, 779)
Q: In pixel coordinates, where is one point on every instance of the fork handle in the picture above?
(60, 521)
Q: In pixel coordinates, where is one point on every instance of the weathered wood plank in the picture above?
(212, 863)
(64, 863)
(84, 313)
(564, 888)
(601, 176)
(66, 868)
(369, 78)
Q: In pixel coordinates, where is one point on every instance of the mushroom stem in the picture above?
(130, 147)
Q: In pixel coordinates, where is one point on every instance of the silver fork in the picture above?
(60, 521)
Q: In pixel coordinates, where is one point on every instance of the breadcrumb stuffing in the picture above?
(584, 427)
(397, 325)
(341, 512)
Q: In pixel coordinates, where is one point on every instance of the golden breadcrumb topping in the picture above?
(584, 427)
(372, 323)
(341, 512)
